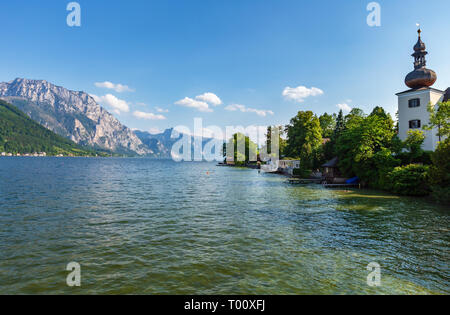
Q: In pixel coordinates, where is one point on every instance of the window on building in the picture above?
(414, 103)
(415, 124)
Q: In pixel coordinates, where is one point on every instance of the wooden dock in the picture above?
(303, 181)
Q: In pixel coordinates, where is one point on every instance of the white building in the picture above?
(288, 166)
(413, 103)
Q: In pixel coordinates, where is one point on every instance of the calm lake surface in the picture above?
(160, 227)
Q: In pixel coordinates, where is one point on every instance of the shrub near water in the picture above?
(410, 180)
(439, 174)
(302, 172)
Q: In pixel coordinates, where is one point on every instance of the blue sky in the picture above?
(246, 52)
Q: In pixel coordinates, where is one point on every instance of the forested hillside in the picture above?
(20, 134)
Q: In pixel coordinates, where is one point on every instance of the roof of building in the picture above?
(421, 77)
(332, 163)
(447, 95)
(419, 90)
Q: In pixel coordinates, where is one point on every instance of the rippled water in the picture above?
(160, 227)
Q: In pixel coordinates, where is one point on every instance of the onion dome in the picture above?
(421, 76)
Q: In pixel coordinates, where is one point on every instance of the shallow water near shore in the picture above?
(158, 227)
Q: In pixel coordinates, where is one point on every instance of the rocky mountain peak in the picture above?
(72, 114)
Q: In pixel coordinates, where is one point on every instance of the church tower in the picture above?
(413, 103)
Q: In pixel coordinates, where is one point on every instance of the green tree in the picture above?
(304, 139)
(329, 148)
(328, 125)
(386, 118)
(439, 174)
(439, 119)
(358, 145)
(410, 180)
(397, 144)
(413, 144)
(281, 141)
(242, 157)
(384, 162)
(340, 125)
(355, 117)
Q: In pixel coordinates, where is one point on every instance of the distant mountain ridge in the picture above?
(78, 117)
(71, 114)
(162, 143)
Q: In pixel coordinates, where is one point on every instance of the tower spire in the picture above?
(421, 76)
(420, 53)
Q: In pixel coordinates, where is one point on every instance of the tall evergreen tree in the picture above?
(340, 125)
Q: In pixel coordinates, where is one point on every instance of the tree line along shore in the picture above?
(367, 146)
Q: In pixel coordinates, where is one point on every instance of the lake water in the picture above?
(160, 227)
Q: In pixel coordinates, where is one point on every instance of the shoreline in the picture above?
(428, 199)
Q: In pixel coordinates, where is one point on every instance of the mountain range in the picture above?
(162, 143)
(71, 114)
(75, 115)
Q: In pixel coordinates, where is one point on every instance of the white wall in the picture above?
(406, 114)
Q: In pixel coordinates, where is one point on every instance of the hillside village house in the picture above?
(413, 103)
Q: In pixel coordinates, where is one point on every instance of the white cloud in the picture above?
(161, 110)
(299, 94)
(244, 109)
(148, 116)
(209, 98)
(199, 105)
(345, 107)
(119, 88)
(201, 102)
(118, 106)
